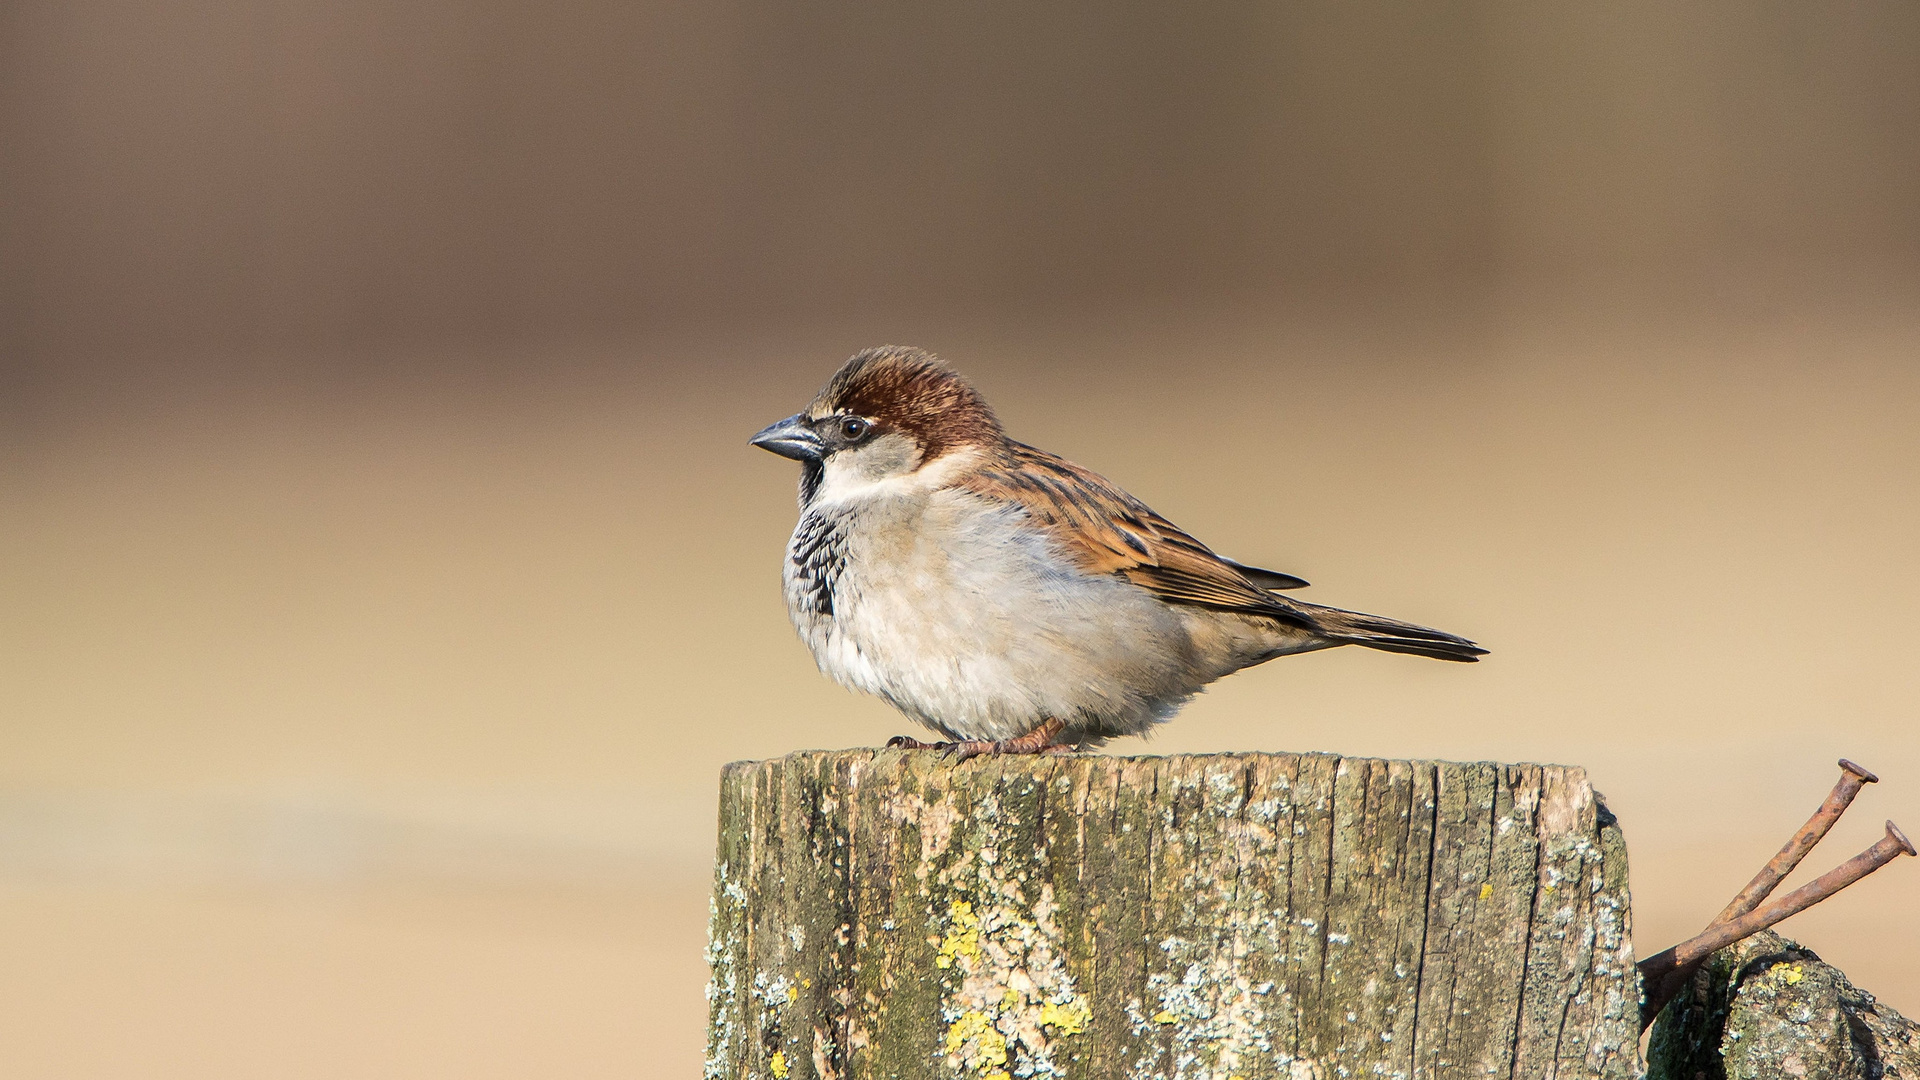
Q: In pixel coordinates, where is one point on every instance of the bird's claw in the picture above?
(1038, 741)
(949, 751)
(966, 749)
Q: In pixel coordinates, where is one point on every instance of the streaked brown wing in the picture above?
(1267, 579)
(1108, 531)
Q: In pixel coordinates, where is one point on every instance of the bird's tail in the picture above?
(1389, 635)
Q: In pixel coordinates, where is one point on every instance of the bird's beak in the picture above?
(790, 438)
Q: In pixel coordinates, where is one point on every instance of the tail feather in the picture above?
(1389, 635)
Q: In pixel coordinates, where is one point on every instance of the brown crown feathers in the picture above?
(909, 390)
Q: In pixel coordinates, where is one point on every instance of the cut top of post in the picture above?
(884, 914)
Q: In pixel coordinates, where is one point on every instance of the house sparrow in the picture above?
(1007, 598)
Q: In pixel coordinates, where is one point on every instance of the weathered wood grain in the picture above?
(882, 914)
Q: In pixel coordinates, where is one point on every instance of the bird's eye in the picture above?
(853, 428)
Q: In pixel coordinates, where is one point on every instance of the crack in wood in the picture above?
(1183, 917)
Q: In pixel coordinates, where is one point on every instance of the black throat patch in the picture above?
(811, 473)
(818, 554)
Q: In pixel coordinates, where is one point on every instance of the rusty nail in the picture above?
(1660, 976)
(1852, 779)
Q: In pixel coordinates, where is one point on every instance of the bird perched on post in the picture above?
(1006, 598)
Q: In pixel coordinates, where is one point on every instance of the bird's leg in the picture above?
(1041, 740)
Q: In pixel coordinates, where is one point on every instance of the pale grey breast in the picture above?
(961, 615)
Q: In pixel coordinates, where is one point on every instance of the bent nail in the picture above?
(1661, 975)
(1852, 779)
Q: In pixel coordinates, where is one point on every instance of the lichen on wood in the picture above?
(1768, 1007)
(885, 914)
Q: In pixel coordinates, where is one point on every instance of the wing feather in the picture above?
(1107, 531)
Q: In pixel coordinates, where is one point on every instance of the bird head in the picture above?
(887, 412)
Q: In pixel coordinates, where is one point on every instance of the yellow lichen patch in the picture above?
(1068, 1019)
(793, 995)
(1486, 890)
(963, 936)
(970, 1023)
(1791, 974)
(778, 1065)
(1009, 998)
(1164, 1017)
(973, 1032)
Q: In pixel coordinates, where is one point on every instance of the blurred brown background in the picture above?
(386, 576)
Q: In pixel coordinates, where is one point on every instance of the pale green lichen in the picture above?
(724, 911)
(774, 993)
(1215, 1015)
(1211, 1012)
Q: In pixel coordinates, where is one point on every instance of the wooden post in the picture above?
(883, 914)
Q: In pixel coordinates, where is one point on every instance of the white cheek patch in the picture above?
(855, 472)
(888, 466)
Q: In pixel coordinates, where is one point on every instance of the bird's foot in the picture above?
(1040, 740)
